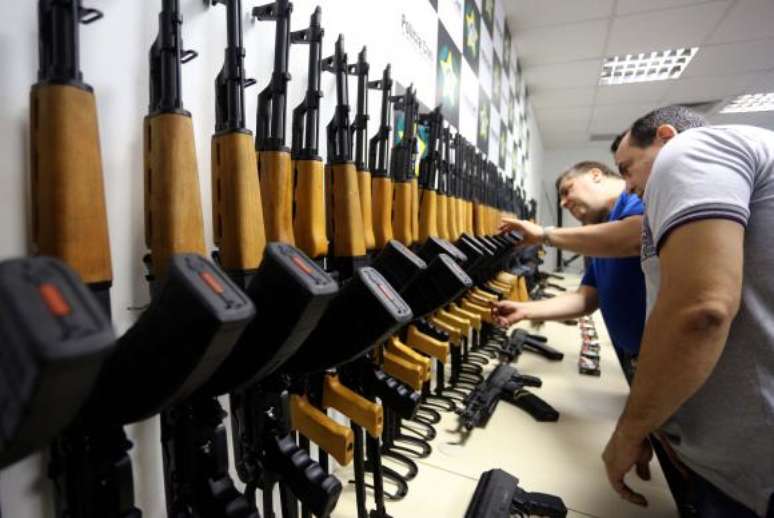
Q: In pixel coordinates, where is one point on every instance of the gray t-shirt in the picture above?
(725, 432)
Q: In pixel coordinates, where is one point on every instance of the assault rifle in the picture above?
(504, 382)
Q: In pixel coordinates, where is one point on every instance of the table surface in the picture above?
(561, 458)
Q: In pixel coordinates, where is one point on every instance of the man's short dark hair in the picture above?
(617, 141)
(583, 168)
(643, 131)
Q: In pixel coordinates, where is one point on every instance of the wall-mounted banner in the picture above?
(414, 47)
(448, 77)
(484, 121)
(511, 109)
(493, 153)
(471, 47)
(434, 3)
(469, 89)
(498, 35)
(507, 48)
(497, 83)
(505, 92)
(399, 127)
(503, 148)
(450, 12)
(488, 14)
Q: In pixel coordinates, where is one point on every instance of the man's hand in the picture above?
(507, 312)
(621, 454)
(531, 232)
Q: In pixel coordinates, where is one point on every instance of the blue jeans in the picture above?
(711, 502)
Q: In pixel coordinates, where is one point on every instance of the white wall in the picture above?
(555, 162)
(114, 62)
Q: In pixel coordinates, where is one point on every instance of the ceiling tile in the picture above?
(732, 58)
(747, 20)
(614, 118)
(567, 75)
(563, 119)
(659, 30)
(761, 119)
(631, 93)
(563, 97)
(524, 14)
(638, 6)
(708, 88)
(562, 43)
(564, 139)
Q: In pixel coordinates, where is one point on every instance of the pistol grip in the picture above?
(463, 324)
(475, 320)
(309, 224)
(381, 189)
(69, 216)
(345, 215)
(405, 371)
(275, 175)
(398, 348)
(455, 334)
(366, 413)
(334, 438)
(401, 214)
(427, 344)
(428, 223)
(173, 210)
(364, 188)
(309, 482)
(237, 211)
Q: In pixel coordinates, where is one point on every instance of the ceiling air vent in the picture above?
(602, 137)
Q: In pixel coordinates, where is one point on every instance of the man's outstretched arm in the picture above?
(684, 336)
(568, 305)
(619, 238)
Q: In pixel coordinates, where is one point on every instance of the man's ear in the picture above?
(596, 174)
(666, 132)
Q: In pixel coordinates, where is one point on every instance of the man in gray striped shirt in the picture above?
(705, 375)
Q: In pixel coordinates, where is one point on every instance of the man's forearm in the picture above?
(680, 348)
(567, 305)
(612, 239)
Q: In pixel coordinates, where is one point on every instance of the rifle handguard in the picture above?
(366, 413)
(344, 214)
(427, 344)
(336, 439)
(409, 373)
(442, 218)
(401, 213)
(55, 338)
(381, 194)
(173, 211)
(428, 214)
(366, 207)
(237, 211)
(309, 223)
(69, 216)
(276, 178)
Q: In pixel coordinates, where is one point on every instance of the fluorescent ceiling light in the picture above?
(646, 66)
(750, 103)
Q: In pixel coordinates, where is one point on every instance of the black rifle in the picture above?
(504, 382)
(520, 341)
(498, 495)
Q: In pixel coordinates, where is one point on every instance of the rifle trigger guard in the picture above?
(89, 15)
(188, 55)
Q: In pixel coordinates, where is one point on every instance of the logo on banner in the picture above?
(503, 150)
(484, 120)
(472, 34)
(497, 80)
(488, 15)
(415, 38)
(448, 77)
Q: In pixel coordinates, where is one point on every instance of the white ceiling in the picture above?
(561, 45)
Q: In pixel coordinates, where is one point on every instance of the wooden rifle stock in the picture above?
(382, 193)
(276, 179)
(366, 207)
(428, 213)
(346, 229)
(309, 224)
(69, 220)
(401, 215)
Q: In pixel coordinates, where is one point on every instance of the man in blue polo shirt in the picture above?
(612, 220)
